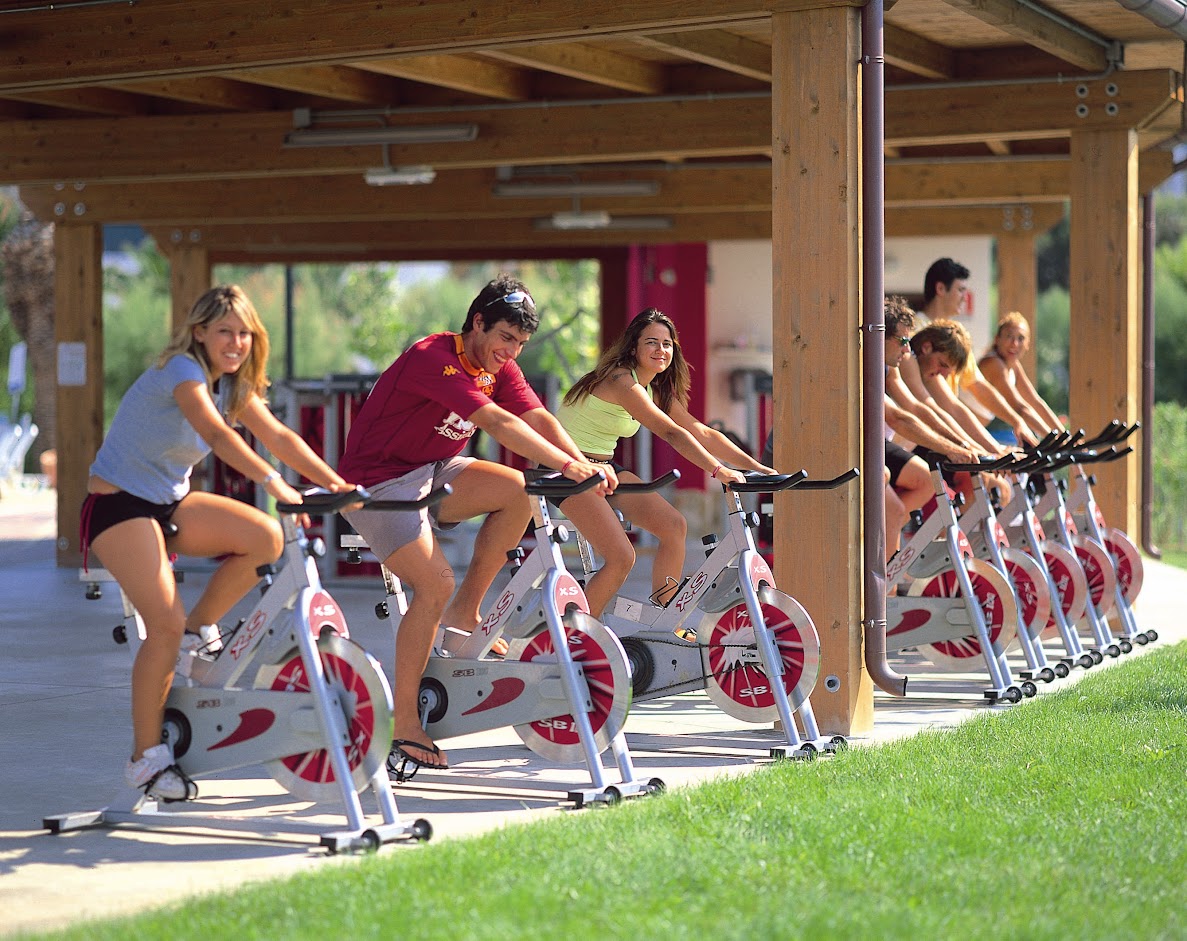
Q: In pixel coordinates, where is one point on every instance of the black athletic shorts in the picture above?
(101, 511)
(896, 459)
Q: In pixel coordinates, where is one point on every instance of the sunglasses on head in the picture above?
(515, 299)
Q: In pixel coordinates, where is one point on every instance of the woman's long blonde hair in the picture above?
(671, 385)
(210, 308)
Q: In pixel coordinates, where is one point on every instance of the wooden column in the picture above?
(189, 277)
(1103, 354)
(78, 326)
(1017, 287)
(817, 317)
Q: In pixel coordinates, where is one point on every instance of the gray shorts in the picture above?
(385, 530)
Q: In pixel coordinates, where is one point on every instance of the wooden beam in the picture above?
(972, 220)
(294, 241)
(966, 182)
(461, 73)
(590, 64)
(1026, 23)
(250, 145)
(816, 323)
(189, 277)
(1017, 285)
(717, 48)
(326, 81)
(910, 51)
(1027, 110)
(102, 101)
(78, 329)
(211, 92)
(116, 42)
(1103, 350)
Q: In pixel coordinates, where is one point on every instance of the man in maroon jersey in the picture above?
(408, 438)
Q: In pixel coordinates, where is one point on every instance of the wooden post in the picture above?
(817, 318)
(1103, 354)
(78, 327)
(189, 277)
(1017, 287)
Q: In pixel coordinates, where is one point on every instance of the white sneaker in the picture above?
(157, 775)
(207, 641)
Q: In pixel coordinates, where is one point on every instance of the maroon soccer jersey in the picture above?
(418, 411)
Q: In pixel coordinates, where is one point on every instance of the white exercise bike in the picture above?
(287, 690)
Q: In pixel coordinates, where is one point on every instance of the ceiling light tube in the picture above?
(362, 136)
(399, 176)
(589, 221)
(542, 188)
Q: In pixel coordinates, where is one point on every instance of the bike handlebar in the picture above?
(852, 474)
(769, 483)
(552, 484)
(981, 467)
(319, 502)
(649, 486)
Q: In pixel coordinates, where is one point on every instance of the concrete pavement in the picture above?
(64, 713)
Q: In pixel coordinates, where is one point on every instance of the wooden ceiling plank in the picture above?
(590, 64)
(460, 73)
(94, 44)
(917, 55)
(327, 81)
(717, 48)
(101, 101)
(1036, 29)
(966, 220)
(210, 92)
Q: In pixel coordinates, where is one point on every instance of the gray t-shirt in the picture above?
(150, 448)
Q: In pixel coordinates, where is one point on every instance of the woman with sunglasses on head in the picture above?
(408, 438)
(210, 377)
(641, 380)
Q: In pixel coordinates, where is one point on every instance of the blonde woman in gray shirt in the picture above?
(209, 378)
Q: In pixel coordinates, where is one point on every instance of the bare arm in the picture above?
(945, 398)
(910, 427)
(289, 447)
(715, 442)
(199, 410)
(1008, 407)
(904, 385)
(622, 389)
(1020, 392)
(516, 434)
(545, 424)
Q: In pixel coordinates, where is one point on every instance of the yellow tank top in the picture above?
(596, 425)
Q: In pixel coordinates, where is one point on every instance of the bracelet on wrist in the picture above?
(275, 475)
(565, 466)
(713, 473)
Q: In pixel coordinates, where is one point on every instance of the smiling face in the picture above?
(491, 348)
(227, 342)
(1011, 341)
(654, 350)
(950, 300)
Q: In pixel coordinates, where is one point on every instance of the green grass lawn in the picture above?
(1063, 818)
(1176, 557)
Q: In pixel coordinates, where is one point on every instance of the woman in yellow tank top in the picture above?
(641, 380)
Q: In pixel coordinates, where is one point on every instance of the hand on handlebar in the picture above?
(959, 455)
(582, 470)
(763, 469)
(727, 476)
(346, 488)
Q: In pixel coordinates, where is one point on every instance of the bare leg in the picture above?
(422, 567)
(651, 512)
(896, 519)
(914, 486)
(134, 553)
(210, 525)
(497, 491)
(599, 524)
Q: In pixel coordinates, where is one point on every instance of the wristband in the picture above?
(715, 470)
(271, 477)
(565, 466)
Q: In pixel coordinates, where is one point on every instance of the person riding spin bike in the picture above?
(210, 376)
(408, 438)
(642, 379)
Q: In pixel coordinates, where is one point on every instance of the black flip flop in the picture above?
(399, 760)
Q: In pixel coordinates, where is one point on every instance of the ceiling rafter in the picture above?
(326, 81)
(717, 48)
(912, 53)
(208, 92)
(1044, 32)
(461, 73)
(100, 101)
(590, 64)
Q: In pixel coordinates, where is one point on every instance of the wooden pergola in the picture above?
(743, 116)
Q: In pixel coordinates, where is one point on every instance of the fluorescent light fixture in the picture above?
(399, 176)
(543, 188)
(361, 136)
(577, 221)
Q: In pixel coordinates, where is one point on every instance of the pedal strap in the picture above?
(191, 789)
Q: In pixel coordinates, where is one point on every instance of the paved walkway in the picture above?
(64, 715)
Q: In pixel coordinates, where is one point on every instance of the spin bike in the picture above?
(288, 690)
(959, 610)
(564, 684)
(1127, 561)
(754, 675)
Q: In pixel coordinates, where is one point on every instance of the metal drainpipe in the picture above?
(1148, 233)
(1169, 14)
(873, 326)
